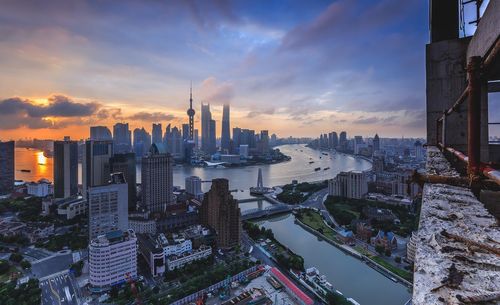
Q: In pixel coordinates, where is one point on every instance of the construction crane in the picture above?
(133, 288)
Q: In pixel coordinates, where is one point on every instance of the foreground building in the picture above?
(125, 163)
(95, 165)
(220, 211)
(456, 255)
(157, 179)
(6, 167)
(108, 207)
(112, 259)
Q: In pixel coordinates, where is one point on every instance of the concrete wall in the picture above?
(487, 31)
(446, 80)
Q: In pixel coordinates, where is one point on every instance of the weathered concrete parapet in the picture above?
(457, 260)
(437, 164)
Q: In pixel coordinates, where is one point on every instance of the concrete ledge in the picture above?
(449, 270)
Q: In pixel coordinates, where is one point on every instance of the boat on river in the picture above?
(317, 169)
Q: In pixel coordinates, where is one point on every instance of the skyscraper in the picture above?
(65, 168)
(157, 179)
(190, 113)
(376, 143)
(142, 142)
(95, 167)
(343, 141)
(174, 143)
(264, 141)
(100, 133)
(208, 144)
(121, 138)
(335, 140)
(185, 132)
(7, 167)
(125, 163)
(157, 133)
(108, 206)
(220, 211)
(225, 142)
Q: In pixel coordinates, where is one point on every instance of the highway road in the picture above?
(59, 289)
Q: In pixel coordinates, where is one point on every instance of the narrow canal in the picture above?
(347, 274)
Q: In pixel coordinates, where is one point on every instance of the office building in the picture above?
(244, 151)
(100, 133)
(174, 143)
(157, 179)
(185, 132)
(95, 165)
(142, 142)
(112, 259)
(7, 150)
(193, 187)
(126, 164)
(65, 168)
(208, 137)
(108, 206)
(419, 152)
(376, 143)
(225, 141)
(152, 253)
(343, 141)
(196, 139)
(264, 142)
(122, 142)
(178, 261)
(353, 184)
(42, 188)
(220, 211)
(71, 207)
(157, 133)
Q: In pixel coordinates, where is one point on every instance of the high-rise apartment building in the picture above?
(112, 258)
(65, 168)
(108, 207)
(225, 142)
(220, 211)
(100, 133)
(157, 133)
(126, 164)
(157, 179)
(95, 167)
(353, 184)
(7, 151)
(122, 138)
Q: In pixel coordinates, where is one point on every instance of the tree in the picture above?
(25, 264)
(4, 266)
(16, 257)
(388, 252)
(379, 249)
(398, 259)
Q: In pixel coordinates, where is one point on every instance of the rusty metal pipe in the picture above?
(474, 115)
(459, 102)
(492, 56)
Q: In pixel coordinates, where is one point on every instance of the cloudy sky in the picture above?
(294, 67)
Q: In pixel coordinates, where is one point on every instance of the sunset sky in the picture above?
(295, 68)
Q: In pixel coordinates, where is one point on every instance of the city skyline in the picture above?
(85, 80)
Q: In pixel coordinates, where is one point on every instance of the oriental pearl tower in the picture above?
(190, 113)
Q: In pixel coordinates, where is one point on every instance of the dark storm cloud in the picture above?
(59, 106)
